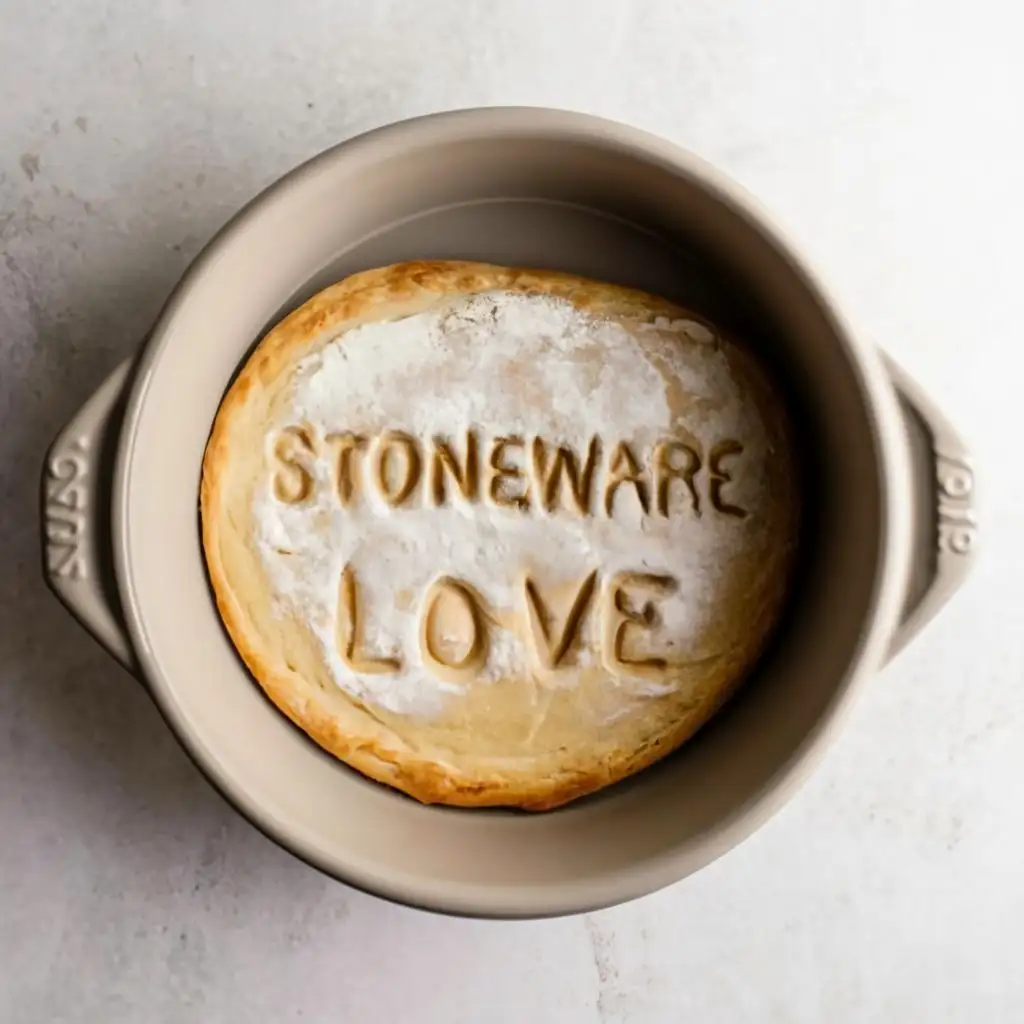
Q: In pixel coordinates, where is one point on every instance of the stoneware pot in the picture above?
(890, 527)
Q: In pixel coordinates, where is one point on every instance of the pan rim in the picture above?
(470, 899)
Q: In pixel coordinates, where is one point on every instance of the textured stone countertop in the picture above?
(886, 138)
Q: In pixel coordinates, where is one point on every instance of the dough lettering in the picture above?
(674, 460)
(529, 475)
(349, 616)
(550, 648)
(436, 645)
(395, 446)
(346, 447)
(623, 468)
(719, 477)
(549, 473)
(502, 494)
(454, 626)
(293, 454)
(445, 463)
(622, 616)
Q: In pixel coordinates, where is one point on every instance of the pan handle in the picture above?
(76, 486)
(945, 533)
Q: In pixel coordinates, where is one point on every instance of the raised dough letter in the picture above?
(293, 478)
(348, 631)
(551, 649)
(620, 616)
(396, 493)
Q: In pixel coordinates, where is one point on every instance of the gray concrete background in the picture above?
(885, 136)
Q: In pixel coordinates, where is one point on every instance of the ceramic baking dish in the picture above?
(890, 531)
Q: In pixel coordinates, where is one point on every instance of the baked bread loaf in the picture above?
(495, 536)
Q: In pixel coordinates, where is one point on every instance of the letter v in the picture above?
(551, 650)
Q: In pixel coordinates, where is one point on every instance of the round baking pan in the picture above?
(889, 490)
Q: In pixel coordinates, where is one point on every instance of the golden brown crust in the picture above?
(359, 735)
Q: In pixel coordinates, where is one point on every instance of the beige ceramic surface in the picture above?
(891, 499)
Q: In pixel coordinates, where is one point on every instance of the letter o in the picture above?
(437, 660)
(388, 445)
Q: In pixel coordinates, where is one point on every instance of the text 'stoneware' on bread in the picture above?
(494, 536)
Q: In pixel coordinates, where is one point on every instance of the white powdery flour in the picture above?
(502, 364)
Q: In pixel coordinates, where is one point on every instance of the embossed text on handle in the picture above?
(65, 510)
(958, 527)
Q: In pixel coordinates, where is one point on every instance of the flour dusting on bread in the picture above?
(485, 532)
